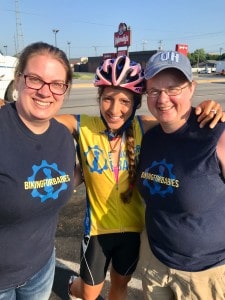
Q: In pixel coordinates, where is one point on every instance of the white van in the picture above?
(7, 68)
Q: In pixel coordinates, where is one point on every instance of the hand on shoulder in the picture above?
(2, 102)
(148, 122)
(70, 121)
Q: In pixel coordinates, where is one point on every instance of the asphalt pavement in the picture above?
(68, 238)
(70, 229)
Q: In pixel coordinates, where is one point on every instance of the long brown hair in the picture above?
(130, 150)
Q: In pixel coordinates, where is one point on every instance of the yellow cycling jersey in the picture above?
(106, 212)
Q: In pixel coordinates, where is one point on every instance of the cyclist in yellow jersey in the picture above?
(109, 147)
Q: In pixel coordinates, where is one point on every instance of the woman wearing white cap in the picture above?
(181, 178)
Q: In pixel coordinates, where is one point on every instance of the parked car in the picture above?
(7, 68)
(205, 71)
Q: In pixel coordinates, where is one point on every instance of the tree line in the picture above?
(200, 55)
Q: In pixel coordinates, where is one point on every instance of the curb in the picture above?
(82, 85)
(210, 80)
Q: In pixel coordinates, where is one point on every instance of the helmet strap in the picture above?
(112, 135)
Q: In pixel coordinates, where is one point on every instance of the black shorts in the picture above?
(121, 249)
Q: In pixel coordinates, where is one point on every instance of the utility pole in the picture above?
(198, 54)
(95, 47)
(160, 45)
(143, 45)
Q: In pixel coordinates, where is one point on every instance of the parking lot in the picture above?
(68, 238)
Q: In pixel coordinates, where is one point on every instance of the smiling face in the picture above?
(116, 106)
(37, 107)
(171, 111)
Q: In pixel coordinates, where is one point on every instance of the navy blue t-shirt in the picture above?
(181, 182)
(36, 180)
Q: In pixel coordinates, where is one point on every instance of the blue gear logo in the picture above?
(163, 170)
(95, 159)
(49, 192)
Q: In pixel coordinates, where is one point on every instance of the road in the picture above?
(69, 232)
(83, 97)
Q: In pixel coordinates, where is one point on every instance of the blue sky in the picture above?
(89, 25)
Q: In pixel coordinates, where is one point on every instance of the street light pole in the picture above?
(55, 31)
(68, 43)
(5, 49)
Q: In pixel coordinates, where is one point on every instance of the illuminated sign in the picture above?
(123, 36)
(182, 48)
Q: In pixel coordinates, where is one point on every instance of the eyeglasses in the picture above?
(35, 83)
(171, 91)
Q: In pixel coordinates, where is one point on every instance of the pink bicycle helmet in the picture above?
(121, 72)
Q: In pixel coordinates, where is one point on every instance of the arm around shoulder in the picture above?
(148, 122)
(70, 121)
(220, 150)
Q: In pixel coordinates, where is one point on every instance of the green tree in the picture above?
(212, 56)
(222, 57)
(197, 56)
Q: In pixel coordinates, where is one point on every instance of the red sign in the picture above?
(122, 52)
(123, 36)
(109, 55)
(182, 48)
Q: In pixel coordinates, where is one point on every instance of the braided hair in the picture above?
(130, 149)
